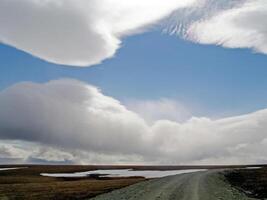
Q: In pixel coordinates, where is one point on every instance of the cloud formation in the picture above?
(84, 33)
(242, 26)
(68, 120)
(164, 108)
(77, 32)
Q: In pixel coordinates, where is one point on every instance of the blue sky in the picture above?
(212, 80)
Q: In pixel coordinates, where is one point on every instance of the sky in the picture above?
(189, 75)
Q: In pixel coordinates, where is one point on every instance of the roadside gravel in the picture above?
(208, 185)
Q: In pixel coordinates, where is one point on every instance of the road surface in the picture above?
(207, 185)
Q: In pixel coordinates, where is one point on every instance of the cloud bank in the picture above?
(78, 32)
(68, 120)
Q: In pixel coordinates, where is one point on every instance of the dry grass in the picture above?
(28, 184)
(62, 189)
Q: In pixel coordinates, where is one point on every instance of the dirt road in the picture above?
(208, 185)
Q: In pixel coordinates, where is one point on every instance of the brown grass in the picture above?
(28, 184)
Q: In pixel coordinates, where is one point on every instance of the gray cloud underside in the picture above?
(76, 121)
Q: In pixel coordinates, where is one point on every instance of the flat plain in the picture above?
(27, 183)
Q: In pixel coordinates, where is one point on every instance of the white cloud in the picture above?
(153, 110)
(84, 33)
(67, 120)
(11, 151)
(78, 32)
(243, 26)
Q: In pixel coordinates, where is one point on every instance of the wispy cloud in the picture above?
(241, 26)
(77, 122)
(164, 108)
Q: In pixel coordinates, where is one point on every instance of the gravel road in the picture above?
(208, 185)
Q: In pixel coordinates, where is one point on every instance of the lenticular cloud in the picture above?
(84, 33)
(78, 32)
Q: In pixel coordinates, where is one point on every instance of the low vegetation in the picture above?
(252, 182)
(27, 184)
